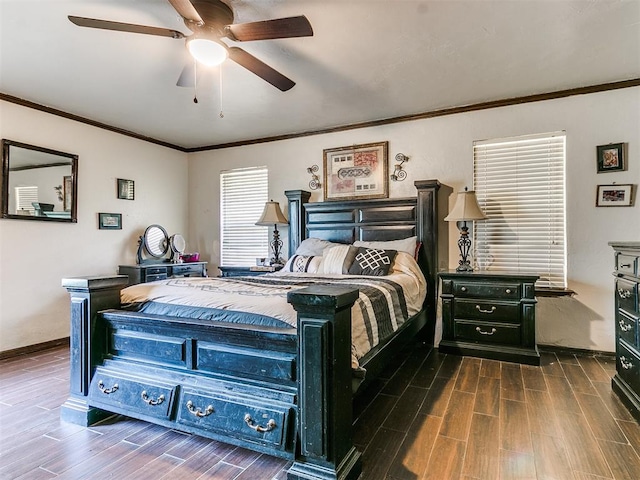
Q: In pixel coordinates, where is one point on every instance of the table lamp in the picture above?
(272, 215)
(466, 209)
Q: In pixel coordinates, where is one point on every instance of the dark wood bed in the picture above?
(285, 392)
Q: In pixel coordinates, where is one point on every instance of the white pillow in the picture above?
(337, 260)
(407, 245)
(312, 247)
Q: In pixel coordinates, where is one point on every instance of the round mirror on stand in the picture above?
(154, 242)
(178, 246)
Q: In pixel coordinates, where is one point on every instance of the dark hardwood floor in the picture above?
(431, 416)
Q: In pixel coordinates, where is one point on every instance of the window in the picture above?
(520, 186)
(25, 196)
(243, 193)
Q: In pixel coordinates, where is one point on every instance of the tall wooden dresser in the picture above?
(626, 382)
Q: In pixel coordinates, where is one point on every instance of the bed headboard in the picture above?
(369, 220)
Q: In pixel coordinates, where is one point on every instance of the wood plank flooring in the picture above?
(430, 416)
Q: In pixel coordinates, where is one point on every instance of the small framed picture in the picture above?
(110, 221)
(126, 189)
(615, 196)
(611, 157)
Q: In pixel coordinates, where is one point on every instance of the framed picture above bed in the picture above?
(356, 172)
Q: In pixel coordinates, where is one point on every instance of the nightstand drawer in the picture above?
(156, 271)
(627, 295)
(503, 291)
(487, 310)
(627, 328)
(487, 332)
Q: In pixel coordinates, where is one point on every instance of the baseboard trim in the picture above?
(577, 351)
(16, 352)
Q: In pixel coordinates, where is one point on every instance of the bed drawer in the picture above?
(627, 295)
(493, 311)
(487, 332)
(249, 419)
(120, 393)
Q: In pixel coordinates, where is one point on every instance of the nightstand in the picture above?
(490, 315)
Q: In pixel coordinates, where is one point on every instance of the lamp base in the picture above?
(464, 267)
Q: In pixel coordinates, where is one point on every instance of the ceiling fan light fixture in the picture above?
(206, 51)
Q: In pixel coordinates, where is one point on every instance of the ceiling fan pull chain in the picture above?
(221, 112)
(195, 82)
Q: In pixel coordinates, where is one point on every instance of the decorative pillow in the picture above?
(405, 245)
(314, 247)
(372, 261)
(337, 260)
(302, 264)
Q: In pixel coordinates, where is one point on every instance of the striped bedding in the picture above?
(384, 303)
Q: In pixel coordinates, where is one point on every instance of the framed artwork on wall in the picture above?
(126, 189)
(110, 221)
(614, 196)
(356, 172)
(611, 158)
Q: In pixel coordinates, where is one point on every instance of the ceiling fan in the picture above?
(211, 21)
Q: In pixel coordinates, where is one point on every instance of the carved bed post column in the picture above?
(297, 217)
(325, 447)
(87, 340)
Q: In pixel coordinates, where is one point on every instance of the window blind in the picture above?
(520, 186)
(243, 193)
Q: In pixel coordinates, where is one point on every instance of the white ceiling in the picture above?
(368, 60)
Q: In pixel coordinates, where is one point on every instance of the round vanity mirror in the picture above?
(178, 246)
(156, 241)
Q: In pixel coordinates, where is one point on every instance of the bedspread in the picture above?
(381, 308)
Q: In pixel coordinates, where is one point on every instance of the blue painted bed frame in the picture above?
(285, 392)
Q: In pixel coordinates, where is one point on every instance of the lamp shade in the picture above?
(272, 215)
(466, 208)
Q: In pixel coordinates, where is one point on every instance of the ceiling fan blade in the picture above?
(261, 69)
(269, 29)
(186, 10)
(124, 27)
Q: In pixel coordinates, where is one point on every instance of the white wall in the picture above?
(441, 148)
(35, 256)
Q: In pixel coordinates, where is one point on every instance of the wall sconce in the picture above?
(399, 174)
(314, 184)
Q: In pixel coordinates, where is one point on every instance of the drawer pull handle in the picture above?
(493, 309)
(271, 424)
(624, 293)
(463, 289)
(197, 412)
(151, 401)
(624, 327)
(626, 364)
(107, 391)
(508, 290)
(482, 332)
(625, 265)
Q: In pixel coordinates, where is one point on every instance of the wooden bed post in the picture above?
(324, 445)
(87, 340)
(297, 217)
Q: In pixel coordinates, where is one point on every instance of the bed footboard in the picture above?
(276, 391)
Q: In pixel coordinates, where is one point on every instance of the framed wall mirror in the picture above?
(38, 183)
